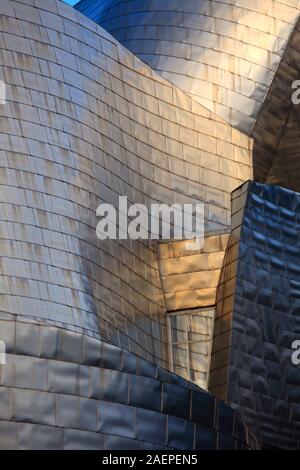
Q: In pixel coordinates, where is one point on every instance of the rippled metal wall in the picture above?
(225, 54)
(66, 390)
(258, 312)
(85, 121)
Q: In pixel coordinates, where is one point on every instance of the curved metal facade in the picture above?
(275, 152)
(66, 390)
(225, 54)
(258, 314)
(85, 121)
(238, 59)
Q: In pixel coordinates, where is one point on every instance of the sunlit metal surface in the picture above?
(258, 314)
(236, 58)
(85, 122)
(190, 278)
(225, 54)
(276, 133)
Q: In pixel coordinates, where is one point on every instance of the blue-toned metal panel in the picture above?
(258, 314)
(107, 398)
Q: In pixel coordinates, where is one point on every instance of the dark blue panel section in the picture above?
(263, 381)
(105, 398)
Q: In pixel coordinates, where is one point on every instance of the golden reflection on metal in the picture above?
(238, 59)
(88, 121)
(225, 55)
(190, 278)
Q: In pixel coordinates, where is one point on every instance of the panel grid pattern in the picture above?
(65, 390)
(84, 122)
(261, 290)
(224, 53)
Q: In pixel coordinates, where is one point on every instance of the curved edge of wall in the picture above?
(65, 390)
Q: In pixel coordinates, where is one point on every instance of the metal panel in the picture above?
(84, 122)
(224, 55)
(106, 416)
(252, 350)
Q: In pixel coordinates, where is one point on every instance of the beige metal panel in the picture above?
(202, 297)
(190, 278)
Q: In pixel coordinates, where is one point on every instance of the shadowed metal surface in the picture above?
(258, 314)
(65, 390)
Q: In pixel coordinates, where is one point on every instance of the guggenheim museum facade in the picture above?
(143, 344)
